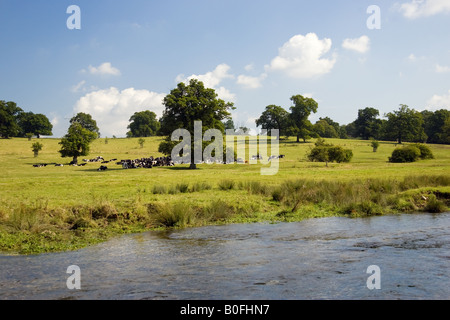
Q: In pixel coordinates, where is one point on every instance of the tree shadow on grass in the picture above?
(182, 168)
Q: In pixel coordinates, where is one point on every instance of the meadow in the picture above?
(51, 208)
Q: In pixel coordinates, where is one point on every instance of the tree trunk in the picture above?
(75, 160)
(298, 139)
(193, 165)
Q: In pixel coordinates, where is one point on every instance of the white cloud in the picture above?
(439, 102)
(78, 86)
(212, 80)
(112, 108)
(104, 69)
(249, 67)
(251, 82)
(424, 8)
(302, 57)
(442, 69)
(361, 45)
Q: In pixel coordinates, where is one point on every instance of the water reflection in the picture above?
(314, 259)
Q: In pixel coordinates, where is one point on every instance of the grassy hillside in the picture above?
(59, 208)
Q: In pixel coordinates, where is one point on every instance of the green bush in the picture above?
(330, 153)
(375, 144)
(425, 151)
(339, 154)
(405, 154)
(411, 153)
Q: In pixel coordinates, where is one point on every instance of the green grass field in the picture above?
(63, 208)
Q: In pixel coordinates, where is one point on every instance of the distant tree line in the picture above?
(402, 125)
(14, 122)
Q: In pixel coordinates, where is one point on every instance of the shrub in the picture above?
(339, 154)
(36, 147)
(425, 151)
(319, 154)
(141, 142)
(320, 142)
(405, 154)
(330, 153)
(375, 144)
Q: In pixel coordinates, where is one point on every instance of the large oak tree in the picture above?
(274, 117)
(301, 127)
(406, 124)
(189, 103)
(82, 131)
(36, 124)
(8, 119)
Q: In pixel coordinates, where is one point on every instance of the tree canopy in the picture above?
(406, 125)
(325, 130)
(143, 124)
(300, 126)
(189, 103)
(86, 121)
(367, 124)
(274, 117)
(36, 124)
(76, 142)
(434, 125)
(8, 119)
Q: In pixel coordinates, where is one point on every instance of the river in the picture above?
(325, 258)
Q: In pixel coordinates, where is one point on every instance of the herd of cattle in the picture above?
(140, 163)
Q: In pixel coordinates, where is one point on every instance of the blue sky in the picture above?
(129, 54)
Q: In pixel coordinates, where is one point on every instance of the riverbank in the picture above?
(38, 228)
(52, 209)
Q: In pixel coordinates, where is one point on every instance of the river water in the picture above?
(325, 258)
